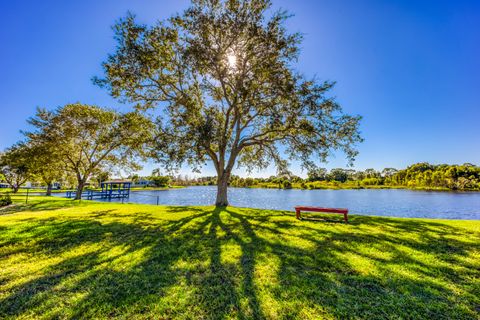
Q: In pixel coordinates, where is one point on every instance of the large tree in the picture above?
(222, 75)
(89, 139)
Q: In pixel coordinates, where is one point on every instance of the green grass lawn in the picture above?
(24, 190)
(61, 259)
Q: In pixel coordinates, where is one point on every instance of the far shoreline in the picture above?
(23, 191)
(346, 188)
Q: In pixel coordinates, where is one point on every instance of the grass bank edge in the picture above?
(38, 202)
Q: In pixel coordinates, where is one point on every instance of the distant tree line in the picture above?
(418, 176)
(453, 177)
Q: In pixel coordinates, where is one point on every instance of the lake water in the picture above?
(396, 203)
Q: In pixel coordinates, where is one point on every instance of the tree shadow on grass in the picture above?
(36, 205)
(233, 280)
(233, 263)
(182, 209)
(322, 219)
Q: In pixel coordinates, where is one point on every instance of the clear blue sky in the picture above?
(410, 68)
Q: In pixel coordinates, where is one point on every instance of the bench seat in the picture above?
(299, 209)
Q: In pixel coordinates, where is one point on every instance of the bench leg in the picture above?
(345, 217)
(297, 213)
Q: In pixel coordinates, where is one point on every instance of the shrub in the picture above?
(5, 200)
(160, 181)
(287, 184)
(370, 182)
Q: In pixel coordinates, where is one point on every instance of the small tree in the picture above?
(223, 75)
(101, 176)
(89, 139)
(134, 177)
(14, 166)
(160, 181)
(156, 172)
(44, 163)
(317, 174)
(338, 174)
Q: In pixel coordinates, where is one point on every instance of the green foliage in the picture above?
(371, 182)
(452, 177)
(90, 140)
(160, 181)
(135, 178)
(222, 74)
(417, 176)
(317, 174)
(15, 165)
(65, 260)
(101, 177)
(5, 200)
(338, 174)
(44, 162)
(287, 184)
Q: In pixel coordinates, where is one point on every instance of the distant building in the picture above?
(56, 185)
(4, 185)
(143, 183)
(113, 181)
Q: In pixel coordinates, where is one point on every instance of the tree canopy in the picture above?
(14, 166)
(44, 162)
(89, 139)
(223, 76)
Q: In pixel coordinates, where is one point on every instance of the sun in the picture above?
(232, 61)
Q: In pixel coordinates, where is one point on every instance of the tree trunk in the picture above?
(15, 189)
(78, 194)
(222, 187)
(49, 189)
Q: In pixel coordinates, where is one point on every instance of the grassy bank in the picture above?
(32, 190)
(62, 259)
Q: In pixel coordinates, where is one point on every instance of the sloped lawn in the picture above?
(60, 259)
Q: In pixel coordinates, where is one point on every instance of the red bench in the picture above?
(326, 210)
